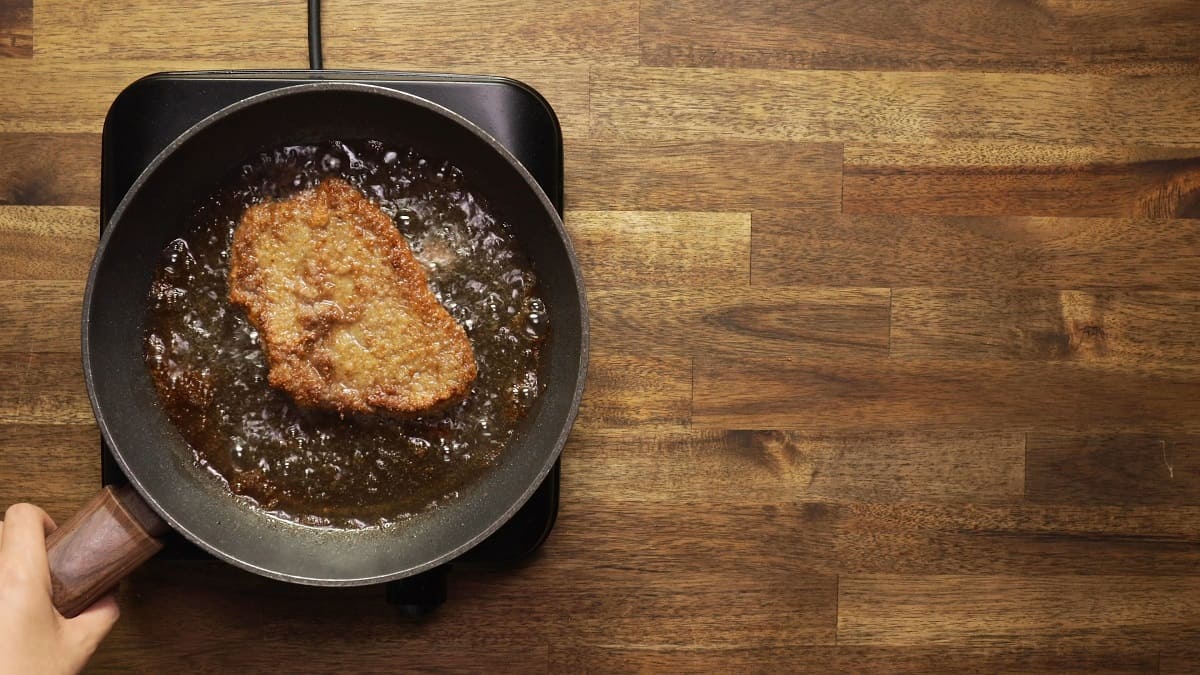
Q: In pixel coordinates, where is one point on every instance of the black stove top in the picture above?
(153, 111)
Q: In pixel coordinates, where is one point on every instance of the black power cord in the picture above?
(315, 62)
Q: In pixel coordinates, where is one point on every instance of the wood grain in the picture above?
(579, 658)
(694, 176)
(1050, 611)
(832, 106)
(1056, 36)
(565, 84)
(54, 169)
(37, 316)
(1013, 539)
(766, 467)
(781, 322)
(347, 626)
(674, 607)
(832, 534)
(1007, 179)
(1179, 657)
(47, 243)
(407, 647)
(626, 390)
(356, 626)
(639, 249)
(818, 395)
(69, 94)
(35, 458)
(894, 333)
(16, 29)
(737, 541)
(53, 94)
(43, 388)
(1091, 327)
(604, 31)
(790, 248)
(151, 30)
(1159, 469)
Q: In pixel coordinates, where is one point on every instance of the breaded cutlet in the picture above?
(344, 310)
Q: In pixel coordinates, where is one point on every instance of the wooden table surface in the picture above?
(896, 327)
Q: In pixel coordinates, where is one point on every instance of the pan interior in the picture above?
(155, 456)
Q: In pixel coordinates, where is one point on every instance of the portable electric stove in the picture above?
(153, 111)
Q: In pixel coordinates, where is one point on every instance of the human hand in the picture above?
(34, 637)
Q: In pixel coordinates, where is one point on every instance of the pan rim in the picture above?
(565, 425)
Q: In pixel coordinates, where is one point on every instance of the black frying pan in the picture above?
(118, 529)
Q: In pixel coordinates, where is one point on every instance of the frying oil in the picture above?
(316, 467)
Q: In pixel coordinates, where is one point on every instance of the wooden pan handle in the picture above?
(110, 536)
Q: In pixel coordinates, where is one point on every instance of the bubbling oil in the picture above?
(318, 468)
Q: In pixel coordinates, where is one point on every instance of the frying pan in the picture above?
(120, 527)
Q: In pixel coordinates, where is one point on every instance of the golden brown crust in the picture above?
(344, 310)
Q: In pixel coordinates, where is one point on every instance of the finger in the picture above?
(92, 624)
(29, 513)
(26, 525)
(23, 540)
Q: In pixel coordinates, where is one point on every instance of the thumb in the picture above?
(93, 623)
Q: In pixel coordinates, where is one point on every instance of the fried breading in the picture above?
(344, 310)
